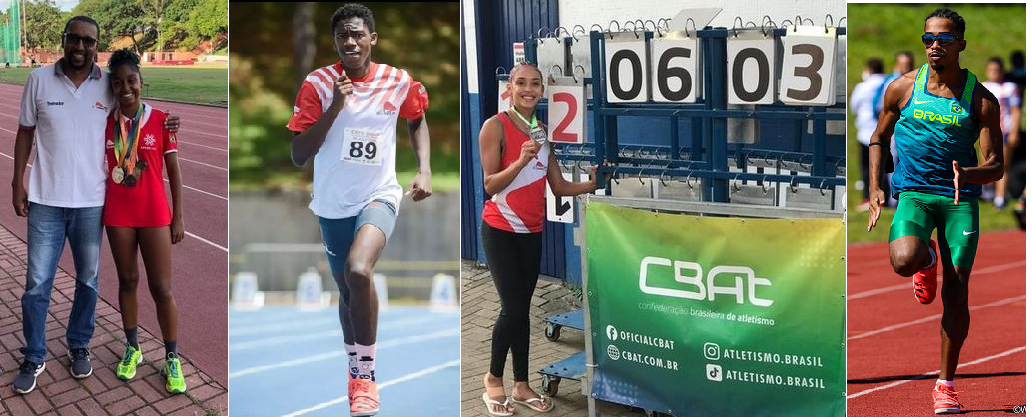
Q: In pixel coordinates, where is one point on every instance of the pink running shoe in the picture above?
(925, 282)
(364, 399)
(946, 399)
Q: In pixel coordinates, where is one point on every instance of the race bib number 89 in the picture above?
(360, 147)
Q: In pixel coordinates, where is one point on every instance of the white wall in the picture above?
(588, 12)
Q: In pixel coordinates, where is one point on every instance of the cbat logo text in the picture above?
(738, 281)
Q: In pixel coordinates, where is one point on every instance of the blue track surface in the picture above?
(288, 362)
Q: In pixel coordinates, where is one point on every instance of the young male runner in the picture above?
(345, 116)
(938, 113)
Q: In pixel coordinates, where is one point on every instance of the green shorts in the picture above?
(918, 213)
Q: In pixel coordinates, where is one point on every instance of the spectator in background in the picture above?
(1016, 186)
(861, 103)
(1017, 72)
(1010, 122)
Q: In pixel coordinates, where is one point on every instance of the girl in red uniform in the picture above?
(517, 161)
(137, 215)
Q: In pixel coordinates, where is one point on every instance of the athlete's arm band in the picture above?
(876, 143)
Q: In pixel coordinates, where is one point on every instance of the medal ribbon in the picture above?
(130, 144)
(533, 119)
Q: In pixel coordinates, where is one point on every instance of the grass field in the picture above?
(882, 30)
(203, 84)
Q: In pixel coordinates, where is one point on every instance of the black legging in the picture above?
(514, 259)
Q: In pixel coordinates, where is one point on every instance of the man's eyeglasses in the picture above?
(945, 39)
(72, 39)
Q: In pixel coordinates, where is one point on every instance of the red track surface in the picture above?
(198, 266)
(893, 339)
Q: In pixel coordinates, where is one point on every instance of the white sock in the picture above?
(365, 361)
(935, 258)
(943, 381)
(352, 360)
(999, 200)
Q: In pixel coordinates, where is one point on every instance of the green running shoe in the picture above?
(127, 366)
(173, 371)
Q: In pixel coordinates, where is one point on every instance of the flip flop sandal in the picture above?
(491, 403)
(539, 400)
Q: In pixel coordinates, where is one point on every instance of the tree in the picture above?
(116, 18)
(122, 18)
(42, 25)
(153, 12)
(209, 19)
(94, 9)
(175, 24)
(304, 40)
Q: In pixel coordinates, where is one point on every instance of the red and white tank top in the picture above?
(520, 207)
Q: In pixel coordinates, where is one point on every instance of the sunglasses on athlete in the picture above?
(87, 41)
(945, 39)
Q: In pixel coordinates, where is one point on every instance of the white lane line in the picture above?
(334, 333)
(265, 317)
(201, 132)
(331, 355)
(224, 249)
(166, 180)
(933, 373)
(380, 387)
(934, 317)
(201, 191)
(202, 163)
(989, 270)
(288, 325)
(181, 142)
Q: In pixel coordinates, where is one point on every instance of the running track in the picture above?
(288, 362)
(893, 339)
(198, 262)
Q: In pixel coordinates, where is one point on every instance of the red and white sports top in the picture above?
(355, 164)
(520, 207)
(143, 205)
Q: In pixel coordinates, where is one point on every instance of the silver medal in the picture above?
(539, 135)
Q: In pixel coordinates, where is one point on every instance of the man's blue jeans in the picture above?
(48, 228)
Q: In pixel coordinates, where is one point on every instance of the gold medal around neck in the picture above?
(118, 175)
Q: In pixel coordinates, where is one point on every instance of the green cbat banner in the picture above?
(708, 316)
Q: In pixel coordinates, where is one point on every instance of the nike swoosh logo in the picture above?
(969, 233)
(922, 102)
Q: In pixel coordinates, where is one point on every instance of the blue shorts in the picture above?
(338, 234)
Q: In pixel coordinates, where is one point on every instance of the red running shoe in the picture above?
(925, 280)
(364, 399)
(946, 399)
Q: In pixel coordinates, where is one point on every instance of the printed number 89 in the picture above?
(358, 150)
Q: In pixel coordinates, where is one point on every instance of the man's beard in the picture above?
(938, 67)
(85, 63)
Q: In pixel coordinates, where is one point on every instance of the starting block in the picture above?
(443, 294)
(309, 295)
(245, 292)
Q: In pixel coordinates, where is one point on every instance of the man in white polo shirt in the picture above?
(65, 106)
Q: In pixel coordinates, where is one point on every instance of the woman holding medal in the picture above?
(137, 215)
(517, 159)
